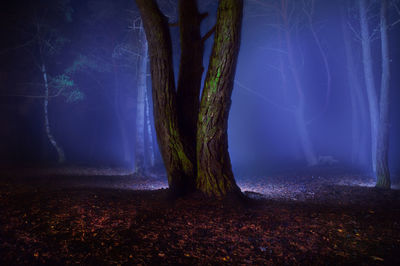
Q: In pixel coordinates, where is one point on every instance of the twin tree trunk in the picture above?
(192, 135)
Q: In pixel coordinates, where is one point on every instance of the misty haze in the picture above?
(184, 132)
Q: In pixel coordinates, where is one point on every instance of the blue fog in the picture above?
(263, 135)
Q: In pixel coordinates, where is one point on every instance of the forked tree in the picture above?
(192, 134)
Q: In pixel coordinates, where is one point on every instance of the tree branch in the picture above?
(208, 34)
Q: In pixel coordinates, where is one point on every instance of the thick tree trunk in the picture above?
(60, 151)
(180, 169)
(369, 79)
(382, 167)
(214, 168)
(140, 106)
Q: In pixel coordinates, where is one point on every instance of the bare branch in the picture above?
(261, 96)
(208, 34)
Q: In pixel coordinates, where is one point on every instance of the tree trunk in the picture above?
(382, 167)
(369, 79)
(60, 151)
(180, 169)
(140, 106)
(304, 135)
(118, 115)
(149, 130)
(214, 168)
(359, 112)
(190, 74)
(188, 134)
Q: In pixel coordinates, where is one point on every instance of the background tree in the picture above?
(45, 43)
(382, 150)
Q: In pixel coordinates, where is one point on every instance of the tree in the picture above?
(382, 167)
(140, 104)
(378, 109)
(40, 32)
(359, 112)
(369, 78)
(193, 136)
(290, 18)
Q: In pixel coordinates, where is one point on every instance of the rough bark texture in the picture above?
(214, 176)
(382, 167)
(180, 168)
(190, 74)
(369, 79)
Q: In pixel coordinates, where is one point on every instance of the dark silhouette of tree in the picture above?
(192, 135)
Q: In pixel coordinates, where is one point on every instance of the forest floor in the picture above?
(93, 218)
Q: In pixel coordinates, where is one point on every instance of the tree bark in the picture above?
(193, 137)
(180, 169)
(369, 79)
(190, 74)
(214, 170)
(382, 167)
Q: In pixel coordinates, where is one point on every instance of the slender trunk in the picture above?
(140, 106)
(325, 63)
(180, 168)
(304, 135)
(149, 130)
(118, 115)
(358, 113)
(214, 168)
(382, 167)
(305, 140)
(369, 79)
(60, 152)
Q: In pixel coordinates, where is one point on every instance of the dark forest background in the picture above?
(90, 51)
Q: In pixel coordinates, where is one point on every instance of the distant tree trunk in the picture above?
(304, 135)
(369, 79)
(149, 130)
(140, 106)
(359, 112)
(60, 151)
(309, 14)
(118, 115)
(382, 168)
(180, 169)
(214, 168)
